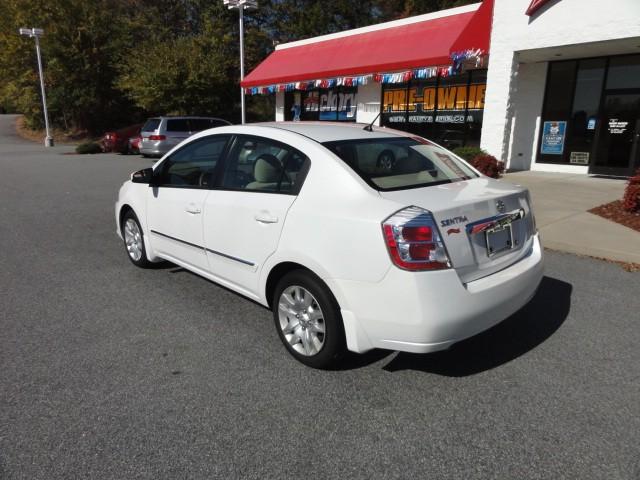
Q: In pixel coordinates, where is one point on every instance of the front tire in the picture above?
(308, 320)
(134, 240)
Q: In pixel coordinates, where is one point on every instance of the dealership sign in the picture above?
(535, 6)
(453, 104)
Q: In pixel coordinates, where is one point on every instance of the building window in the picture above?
(577, 100)
(336, 105)
(448, 110)
(624, 72)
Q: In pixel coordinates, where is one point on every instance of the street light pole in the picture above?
(242, 108)
(36, 33)
(241, 5)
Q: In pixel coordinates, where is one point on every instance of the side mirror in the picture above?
(143, 176)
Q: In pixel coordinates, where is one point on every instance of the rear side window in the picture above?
(178, 125)
(401, 163)
(151, 125)
(198, 124)
(263, 165)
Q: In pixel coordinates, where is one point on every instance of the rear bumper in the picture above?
(430, 311)
(158, 148)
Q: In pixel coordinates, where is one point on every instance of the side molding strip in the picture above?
(245, 262)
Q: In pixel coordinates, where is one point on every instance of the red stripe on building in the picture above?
(535, 6)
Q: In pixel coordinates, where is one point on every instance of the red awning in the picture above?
(421, 44)
(477, 34)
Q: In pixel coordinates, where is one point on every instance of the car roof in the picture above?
(333, 131)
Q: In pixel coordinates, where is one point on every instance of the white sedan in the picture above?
(355, 238)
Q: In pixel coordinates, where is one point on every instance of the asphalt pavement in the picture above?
(112, 372)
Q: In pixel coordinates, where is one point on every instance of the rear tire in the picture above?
(308, 321)
(134, 240)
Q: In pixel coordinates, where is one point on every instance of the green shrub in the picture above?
(88, 147)
(469, 153)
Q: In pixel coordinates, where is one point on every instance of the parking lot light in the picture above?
(241, 5)
(36, 33)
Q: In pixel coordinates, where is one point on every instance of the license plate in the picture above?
(499, 239)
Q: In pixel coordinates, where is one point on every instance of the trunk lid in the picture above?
(474, 216)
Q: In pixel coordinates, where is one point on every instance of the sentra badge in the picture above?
(453, 221)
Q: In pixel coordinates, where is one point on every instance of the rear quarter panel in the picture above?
(334, 226)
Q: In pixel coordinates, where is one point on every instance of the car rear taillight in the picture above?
(157, 137)
(413, 240)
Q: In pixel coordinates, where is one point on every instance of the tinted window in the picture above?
(624, 72)
(178, 125)
(394, 164)
(217, 123)
(263, 165)
(560, 85)
(193, 165)
(198, 124)
(151, 125)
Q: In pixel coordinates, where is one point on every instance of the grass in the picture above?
(73, 137)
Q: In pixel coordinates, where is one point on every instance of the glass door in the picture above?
(617, 151)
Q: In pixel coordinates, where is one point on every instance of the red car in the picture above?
(118, 140)
(134, 144)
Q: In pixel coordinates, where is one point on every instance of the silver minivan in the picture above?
(161, 134)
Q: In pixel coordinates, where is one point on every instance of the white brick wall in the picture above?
(515, 90)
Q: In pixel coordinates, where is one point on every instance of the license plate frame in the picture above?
(499, 239)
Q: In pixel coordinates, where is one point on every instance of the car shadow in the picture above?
(510, 339)
(163, 265)
(517, 335)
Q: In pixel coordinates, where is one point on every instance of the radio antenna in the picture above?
(369, 128)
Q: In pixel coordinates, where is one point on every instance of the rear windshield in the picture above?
(401, 163)
(151, 125)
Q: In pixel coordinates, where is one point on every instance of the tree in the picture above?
(189, 71)
(108, 63)
(81, 49)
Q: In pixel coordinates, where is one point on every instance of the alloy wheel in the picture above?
(301, 320)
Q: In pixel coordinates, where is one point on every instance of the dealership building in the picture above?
(550, 85)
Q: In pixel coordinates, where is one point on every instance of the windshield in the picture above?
(400, 163)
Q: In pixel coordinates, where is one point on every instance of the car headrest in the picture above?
(267, 168)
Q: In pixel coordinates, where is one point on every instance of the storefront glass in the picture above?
(591, 114)
(448, 110)
(335, 104)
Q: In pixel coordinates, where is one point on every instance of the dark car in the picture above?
(118, 140)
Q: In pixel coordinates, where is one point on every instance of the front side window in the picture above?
(193, 165)
(401, 163)
(260, 164)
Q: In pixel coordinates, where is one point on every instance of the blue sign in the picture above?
(553, 136)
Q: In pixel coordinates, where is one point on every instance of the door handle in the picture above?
(265, 217)
(193, 209)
